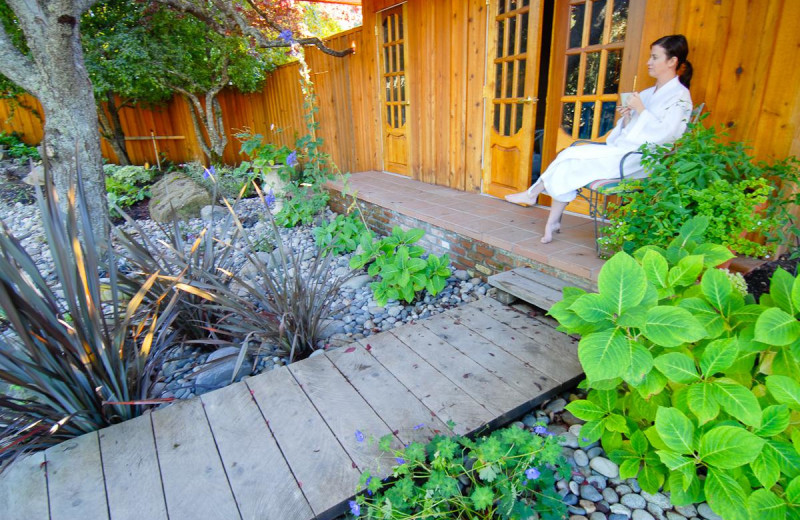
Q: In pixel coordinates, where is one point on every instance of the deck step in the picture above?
(532, 286)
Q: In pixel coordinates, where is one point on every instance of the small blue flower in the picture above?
(270, 199)
(208, 172)
(291, 159)
(420, 425)
(400, 460)
(359, 435)
(286, 36)
(584, 439)
(354, 507)
(540, 430)
(524, 482)
(532, 473)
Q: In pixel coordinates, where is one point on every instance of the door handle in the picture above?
(528, 100)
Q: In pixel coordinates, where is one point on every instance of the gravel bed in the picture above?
(189, 371)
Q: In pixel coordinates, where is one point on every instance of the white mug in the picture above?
(624, 97)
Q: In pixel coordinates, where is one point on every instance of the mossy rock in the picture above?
(177, 196)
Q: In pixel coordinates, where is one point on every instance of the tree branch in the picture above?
(16, 66)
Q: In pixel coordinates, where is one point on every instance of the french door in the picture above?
(394, 91)
(514, 42)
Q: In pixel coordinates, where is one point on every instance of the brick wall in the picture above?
(476, 257)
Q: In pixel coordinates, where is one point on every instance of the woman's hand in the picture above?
(635, 103)
(626, 112)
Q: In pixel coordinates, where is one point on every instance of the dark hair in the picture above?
(676, 46)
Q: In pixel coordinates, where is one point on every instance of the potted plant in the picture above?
(704, 175)
(273, 167)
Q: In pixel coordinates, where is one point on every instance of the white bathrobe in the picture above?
(664, 119)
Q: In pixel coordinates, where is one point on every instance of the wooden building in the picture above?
(478, 95)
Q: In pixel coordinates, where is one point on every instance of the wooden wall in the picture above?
(744, 54)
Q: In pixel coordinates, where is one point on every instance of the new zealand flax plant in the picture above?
(83, 354)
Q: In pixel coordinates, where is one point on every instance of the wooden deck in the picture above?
(282, 445)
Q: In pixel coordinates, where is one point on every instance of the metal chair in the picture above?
(593, 191)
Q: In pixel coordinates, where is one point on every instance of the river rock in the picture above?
(605, 467)
(179, 196)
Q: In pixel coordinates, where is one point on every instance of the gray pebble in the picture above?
(591, 493)
(641, 514)
(687, 511)
(569, 440)
(587, 506)
(605, 467)
(570, 499)
(598, 516)
(705, 511)
(618, 516)
(634, 485)
(674, 516)
(656, 510)
(555, 406)
(633, 501)
(610, 495)
(658, 499)
(576, 510)
(597, 451)
(624, 489)
(620, 509)
(581, 459)
(574, 487)
(598, 481)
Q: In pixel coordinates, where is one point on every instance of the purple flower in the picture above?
(359, 435)
(366, 484)
(354, 507)
(524, 482)
(420, 425)
(208, 172)
(584, 439)
(286, 36)
(400, 460)
(270, 203)
(291, 159)
(540, 430)
(532, 473)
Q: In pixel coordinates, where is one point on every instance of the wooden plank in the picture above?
(23, 489)
(485, 387)
(321, 466)
(345, 412)
(447, 400)
(75, 479)
(394, 403)
(131, 469)
(529, 340)
(516, 373)
(251, 457)
(194, 480)
(523, 287)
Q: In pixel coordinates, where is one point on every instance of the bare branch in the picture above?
(16, 66)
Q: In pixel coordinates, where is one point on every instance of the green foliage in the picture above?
(399, 263)
(301, 205)
(14, 147)
(703, 175)
(125, 186)
(509, 474)
(225, 181)
(692, 385)
(341, 235)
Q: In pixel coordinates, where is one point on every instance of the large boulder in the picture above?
(179, 196)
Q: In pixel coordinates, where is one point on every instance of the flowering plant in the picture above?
(508, 474)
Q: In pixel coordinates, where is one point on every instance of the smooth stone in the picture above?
(597, 451)
(575, 429)
(529, 421)
(687, 511)
(610, 495)
(620, 509)
(570, 499)
(598, 516)
(656, 510)
(461, 275)
(574, 487)
(571, 441)
(588, 506)
(598, 481)
(570, 419)
(624, 489)
(575, 510)
(555, 406)
(579, 478)
(581, 459)
(634, 501)
(562, 484)
(219, 373)
(605, 467)
(602, 506)
(658, 499)
(674, 516)
(591, 493)
(577, 517)
(618, 516)
(705, 511)
(641, 514)
(634, 484)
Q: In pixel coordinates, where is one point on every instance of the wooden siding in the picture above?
(743, 54)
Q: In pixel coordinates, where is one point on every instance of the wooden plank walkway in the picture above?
(283, 445)
(530, 285)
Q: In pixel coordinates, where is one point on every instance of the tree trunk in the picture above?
(58, 78)
(205, 124)
(112, 129)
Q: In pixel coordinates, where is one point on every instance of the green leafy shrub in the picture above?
(702, 174)
(301, 205)
(223, 180)
(692, 386)
(16, 148)
(508, 474)
(401, 267)
(125, 186)
(340, 235)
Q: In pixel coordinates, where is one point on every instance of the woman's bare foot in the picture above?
(523, 198)
(548, 232)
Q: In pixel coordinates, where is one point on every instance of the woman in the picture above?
(658, 115)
